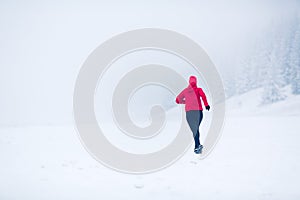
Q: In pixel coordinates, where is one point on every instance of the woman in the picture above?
(190, 96)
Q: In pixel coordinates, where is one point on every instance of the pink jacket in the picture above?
(190, 96)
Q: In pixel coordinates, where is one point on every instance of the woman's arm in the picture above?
(203, 97)
(180, 98)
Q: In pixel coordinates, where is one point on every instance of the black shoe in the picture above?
(198, 150)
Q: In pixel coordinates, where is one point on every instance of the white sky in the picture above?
(43, 44)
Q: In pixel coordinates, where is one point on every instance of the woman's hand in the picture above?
(180, 102)
(207, 107)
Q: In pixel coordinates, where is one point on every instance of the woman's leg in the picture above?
(194, 118)
(197, 137)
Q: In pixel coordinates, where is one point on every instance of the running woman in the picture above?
(190, 96)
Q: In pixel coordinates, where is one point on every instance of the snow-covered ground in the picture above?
(257, 157)
(249, 104)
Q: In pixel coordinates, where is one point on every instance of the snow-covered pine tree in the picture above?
(294, 61)
(273, 67)
(271, 91)
(246, 75)
(243, 77)
(287, 43)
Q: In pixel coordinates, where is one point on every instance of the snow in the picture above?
(257, 157)
(249, 104)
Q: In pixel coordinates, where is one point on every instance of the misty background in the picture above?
(43, 45)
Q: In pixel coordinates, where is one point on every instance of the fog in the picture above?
(44, 44)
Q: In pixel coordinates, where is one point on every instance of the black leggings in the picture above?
(194, 118)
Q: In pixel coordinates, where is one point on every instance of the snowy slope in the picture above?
(257, 157)
(249, 104)
(249, 162)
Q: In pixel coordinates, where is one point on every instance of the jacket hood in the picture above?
(193, 81)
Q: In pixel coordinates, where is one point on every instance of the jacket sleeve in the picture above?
(203, 97)
(180, 98)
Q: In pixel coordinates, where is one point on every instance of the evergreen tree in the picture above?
(273, 76)
(294, 61)
(271, 91)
